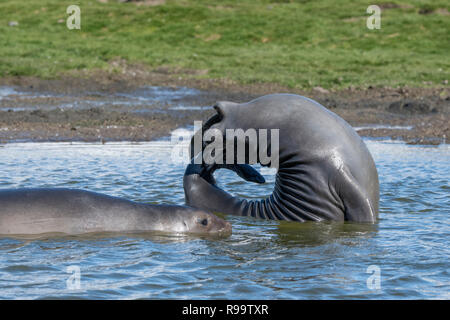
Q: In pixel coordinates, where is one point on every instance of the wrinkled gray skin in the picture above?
(325, 170)
(71, 211)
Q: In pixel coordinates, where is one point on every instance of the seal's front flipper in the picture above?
(247, 172)
(206, 171)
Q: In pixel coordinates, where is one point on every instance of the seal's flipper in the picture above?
(247, 172)
(244, 171)
(201, 170)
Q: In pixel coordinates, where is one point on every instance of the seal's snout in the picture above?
(226, 229)
(219, 225)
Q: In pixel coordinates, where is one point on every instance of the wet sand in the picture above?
(125, 106)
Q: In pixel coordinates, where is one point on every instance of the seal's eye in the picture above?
(204, 222)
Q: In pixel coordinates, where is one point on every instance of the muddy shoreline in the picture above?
(118, 107)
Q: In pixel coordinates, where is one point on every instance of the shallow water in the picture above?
(261, 260)
(144, 99)
(381, 126)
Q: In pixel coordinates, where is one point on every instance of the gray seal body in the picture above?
(72, 211)
(325, 170)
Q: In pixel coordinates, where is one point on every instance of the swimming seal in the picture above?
(72, 211)
(325, 170)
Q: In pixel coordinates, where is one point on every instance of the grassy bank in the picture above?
(299, 44)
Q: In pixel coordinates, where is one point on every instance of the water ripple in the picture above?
(261, 260)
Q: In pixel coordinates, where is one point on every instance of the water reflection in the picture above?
(314, 234)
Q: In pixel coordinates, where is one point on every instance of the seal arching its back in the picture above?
(325, 170)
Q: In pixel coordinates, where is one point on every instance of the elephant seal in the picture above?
(72, 211)
(325, 170)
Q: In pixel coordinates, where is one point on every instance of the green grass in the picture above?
(294, 43)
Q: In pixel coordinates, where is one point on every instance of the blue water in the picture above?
(409, 246)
